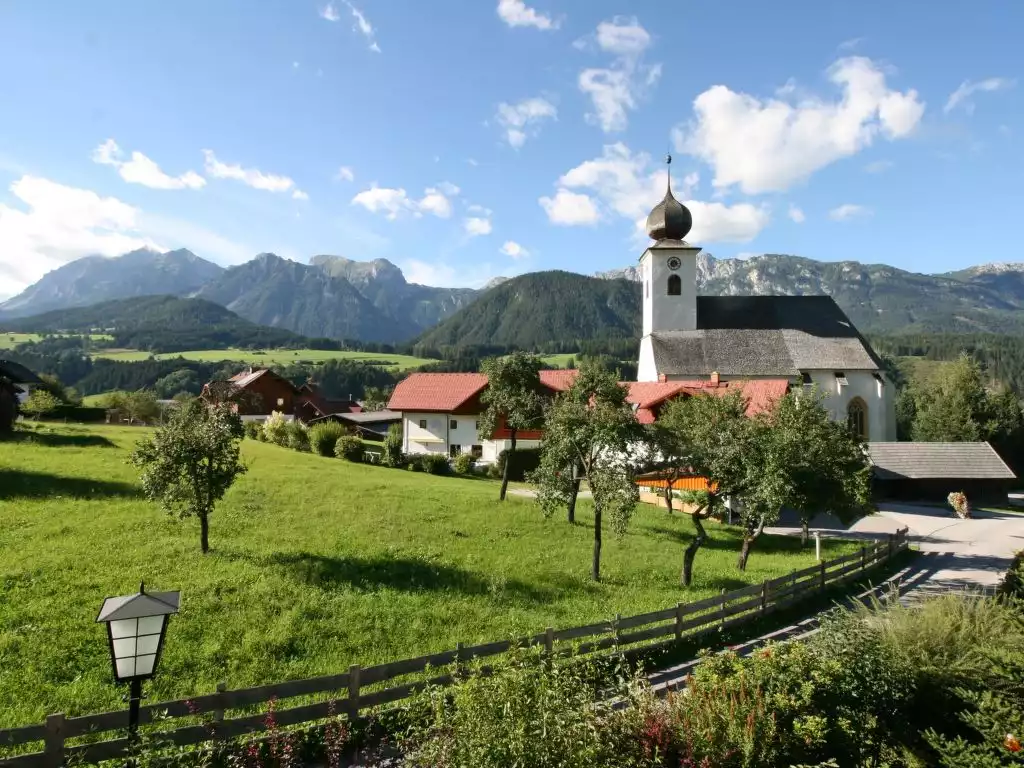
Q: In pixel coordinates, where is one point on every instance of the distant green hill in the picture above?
(159, 324)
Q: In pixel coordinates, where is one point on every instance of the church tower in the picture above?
(668, 272)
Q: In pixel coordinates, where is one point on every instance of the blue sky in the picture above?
(466, 139)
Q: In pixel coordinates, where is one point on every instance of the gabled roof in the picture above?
(18, 373)
(764, 336)
(558, 379)
(435, 391)
(245, 378)
(647, 395)
(919, 461)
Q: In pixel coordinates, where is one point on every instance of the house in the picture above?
(312, 404)
(258, 392)
(370, 425)
(931, 471)
(803, 340)
(21, 380)
(441, 414)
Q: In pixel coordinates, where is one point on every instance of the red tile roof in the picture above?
(435, 391)
(559, 380)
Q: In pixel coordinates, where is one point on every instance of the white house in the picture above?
(804, 340)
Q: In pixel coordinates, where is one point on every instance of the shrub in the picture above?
(463, 463)
(392, 455)
(298, 436)
(1012, 584)
(958, 501)
(275, 429)
(436, 463)
(524, 461)
(494, 471)
(350, 448)
(324, 436)
(253, 429)
(415, 462)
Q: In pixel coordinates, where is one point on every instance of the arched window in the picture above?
(857, 417)
(675, 285)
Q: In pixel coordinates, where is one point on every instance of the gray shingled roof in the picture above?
(918, 461)
(764, 336)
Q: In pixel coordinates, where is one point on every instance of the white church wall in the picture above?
(646, 369)
(879, 400)
(662, 312)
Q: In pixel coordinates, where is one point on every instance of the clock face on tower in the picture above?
(674, 263)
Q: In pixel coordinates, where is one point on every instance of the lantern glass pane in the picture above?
(123, 628)
(151, 625)
(144, 665)
(126, 667)
(148, 644)
(124, 647)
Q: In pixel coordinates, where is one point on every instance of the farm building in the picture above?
(931, 471)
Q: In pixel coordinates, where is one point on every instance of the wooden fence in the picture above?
(365, 688)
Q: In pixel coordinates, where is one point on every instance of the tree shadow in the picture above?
(401, 573)
(22, 484)
(728, 583)
(56, 440)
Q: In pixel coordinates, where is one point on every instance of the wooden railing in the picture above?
(363, 688)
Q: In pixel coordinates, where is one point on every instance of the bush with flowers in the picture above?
(958, 501)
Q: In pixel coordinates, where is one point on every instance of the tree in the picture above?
(592, 426)
(189, 464)
(710, 435)
(40, 402)
(512, 399)
(953, 407)
(140, 405)
(8, 405)
(376, 398)
(181, 380)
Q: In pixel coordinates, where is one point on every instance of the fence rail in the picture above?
(684, 621)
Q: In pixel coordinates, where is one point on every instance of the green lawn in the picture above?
(273, 356)
(11, 340)
(315, 564)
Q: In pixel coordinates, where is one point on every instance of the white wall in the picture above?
(880, 400)
(436, 429)
(646, 369)
(661, 311)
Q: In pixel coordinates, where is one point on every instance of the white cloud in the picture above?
(330, 13)
(59, 224)
(251, 177)
(451, 276)
(517, 13)
(771, 145)
(514, 250)
(848, 211)
(878, 166)
(629, 185)
(849, 45)
(141, 170)
(618, 89)
(394, 202)
(523, 119)
(345, 173)
(298, 194)
(477, 225)
(570, 208)
(796, 214)
(363, 26)
(961, 97)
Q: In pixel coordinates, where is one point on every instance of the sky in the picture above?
(465, 139)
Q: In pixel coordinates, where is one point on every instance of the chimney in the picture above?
(662, 377)
(714, 378)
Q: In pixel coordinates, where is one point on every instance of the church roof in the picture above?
(764, 336)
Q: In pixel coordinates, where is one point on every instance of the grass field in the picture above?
(273, 356)
(11, 340)
(315, 564)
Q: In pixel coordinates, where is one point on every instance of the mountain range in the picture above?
(372, 301)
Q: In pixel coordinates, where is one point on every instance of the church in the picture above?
(692, 345)
(804, 340)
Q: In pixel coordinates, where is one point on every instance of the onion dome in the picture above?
(670, 219)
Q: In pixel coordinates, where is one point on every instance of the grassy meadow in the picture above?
(10, 340)
(315, 564)
(272, 356)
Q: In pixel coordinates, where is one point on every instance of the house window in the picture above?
(454, 424)
(675, 285)
(454, 450)
(477, 451)
(857, 417)
(423, 423)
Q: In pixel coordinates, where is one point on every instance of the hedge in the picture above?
(80, 413)
(524, 460)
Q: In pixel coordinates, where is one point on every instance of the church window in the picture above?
(857, 417)
(675, 285)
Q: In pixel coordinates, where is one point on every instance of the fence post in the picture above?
(53, 749)
(764, 595)
(863, 559)
(218, 713)
(679, 621)
(822, 569)
(722, 608)
(353, 693)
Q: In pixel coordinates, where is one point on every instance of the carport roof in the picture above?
(920, 461)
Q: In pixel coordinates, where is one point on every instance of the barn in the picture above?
(931, 471)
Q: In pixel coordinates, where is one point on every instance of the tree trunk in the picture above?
(691, 550)
(204, 532)
(508, 462)
(572, 499)
(805, 533)
(595, 570)
(749, 537)
(668, 490)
